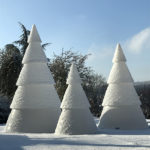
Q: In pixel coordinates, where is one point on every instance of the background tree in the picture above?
(143, 90)
(60, 65)
(93, 84)
(10, 66)
(121, 104)
(95, 87)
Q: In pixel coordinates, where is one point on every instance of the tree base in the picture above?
(123, 117)
(76, 121)
(32, 121)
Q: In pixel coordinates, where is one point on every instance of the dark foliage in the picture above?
(10, 66)
(143, 91)
(23, 40)
(93, 84)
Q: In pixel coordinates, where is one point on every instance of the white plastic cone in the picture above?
(73, 76)
(119, 73)
(34, 55)
(34, 36)
(35, 73)
(119, 55)
(35, 106)
(32, 96)
(75, 117)
(121, 104)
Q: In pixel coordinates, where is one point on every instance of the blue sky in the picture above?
(86, 26)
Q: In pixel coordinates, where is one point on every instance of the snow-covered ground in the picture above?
(105, 140)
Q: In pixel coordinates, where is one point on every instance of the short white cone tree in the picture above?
(75, 117)
(35, 106)
(121, 104)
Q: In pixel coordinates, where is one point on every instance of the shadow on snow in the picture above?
(17, 142)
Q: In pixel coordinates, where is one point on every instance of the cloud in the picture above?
(139, 42)
(97, 52)
(100, 58)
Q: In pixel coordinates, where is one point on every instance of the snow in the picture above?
(123, 94)
(35, 55)
(73, 76)
(35, 106)
(34, 35)
(71, 100)
(104, 140)
(119, 73)
(38, 93)
(35, 73)
(34, 51)
(75, 117)
(119, 55)
(74, 96)
(121, 103)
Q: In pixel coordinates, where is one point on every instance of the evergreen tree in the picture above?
(10, 66)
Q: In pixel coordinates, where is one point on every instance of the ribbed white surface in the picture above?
(34, 53)
(35, 73)
(121, 95)
(35, 93)
(75, 98)
(121, 103)
(75, 117)
(34, 36)
(123, 118)
(119, 55)
(75, 121)
(119, 73)
(32, 121)
(73, 76)
(35, 97)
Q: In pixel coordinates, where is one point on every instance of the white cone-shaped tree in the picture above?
(75, 117)
(121, 104)
(35, 106)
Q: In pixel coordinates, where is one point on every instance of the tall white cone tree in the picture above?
(75, 117)
(121, 104)
(35, 106)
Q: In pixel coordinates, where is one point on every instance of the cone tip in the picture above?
(34, 36)
(118, 46)
(33, 27)
(119, 55)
